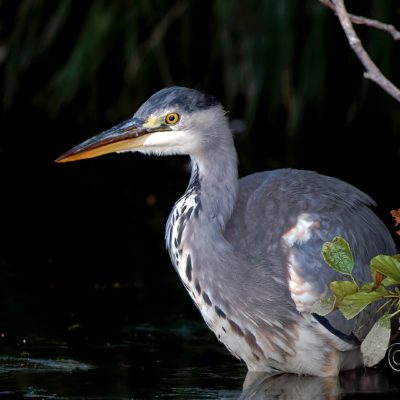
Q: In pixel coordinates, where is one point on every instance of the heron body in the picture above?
(249, 251)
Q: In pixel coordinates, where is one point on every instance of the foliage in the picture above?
(351, 299)
(268, 54)
(396, 216)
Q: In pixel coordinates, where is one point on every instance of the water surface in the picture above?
(114, 342)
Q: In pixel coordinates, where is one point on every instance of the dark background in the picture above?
(84, 242)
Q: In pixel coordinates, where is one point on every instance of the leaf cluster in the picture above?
(351, 298)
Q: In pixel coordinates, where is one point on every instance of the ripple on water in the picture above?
(26, 364)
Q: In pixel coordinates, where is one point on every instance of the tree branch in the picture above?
(372, 71)
(356, 19)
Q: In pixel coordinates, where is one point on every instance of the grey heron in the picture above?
(249, 250)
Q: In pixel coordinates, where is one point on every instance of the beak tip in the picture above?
(113, 140)
(61, 159)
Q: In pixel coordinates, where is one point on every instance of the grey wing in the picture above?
(308, 274)
(292, 213)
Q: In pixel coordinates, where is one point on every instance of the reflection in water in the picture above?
(351, 384)
(141, 353)
(289, 386)
(119, 374)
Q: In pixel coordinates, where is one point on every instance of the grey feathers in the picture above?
(178, 99)
(249, 251)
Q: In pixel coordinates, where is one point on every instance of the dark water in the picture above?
(152, 364)
(110, 342)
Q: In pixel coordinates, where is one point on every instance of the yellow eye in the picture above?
(172, 118)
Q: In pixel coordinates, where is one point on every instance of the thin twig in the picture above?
(384, 305)
(372, 71)
(396, 312)
(356, 19)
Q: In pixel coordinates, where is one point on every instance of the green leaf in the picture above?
(368, 287)
(342, 289)
(389, 281)
(337, 254)
(353, 304)
(374, 346)
(388, 266)
(324, 306)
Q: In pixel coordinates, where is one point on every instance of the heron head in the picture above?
(175, 120)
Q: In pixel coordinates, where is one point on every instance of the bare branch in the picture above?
(372, 71)
(356, 19)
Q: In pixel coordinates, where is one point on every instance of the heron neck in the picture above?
(195, 229)
(215, 181)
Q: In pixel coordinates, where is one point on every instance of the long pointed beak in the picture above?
(125, 136)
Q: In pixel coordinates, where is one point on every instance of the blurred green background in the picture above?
(70, 69)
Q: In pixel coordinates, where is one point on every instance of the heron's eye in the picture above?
(172, 118)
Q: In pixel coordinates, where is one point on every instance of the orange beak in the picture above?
(125, 136)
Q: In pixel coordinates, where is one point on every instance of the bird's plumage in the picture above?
(302, 210)
(178, 99)
(249, 251)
